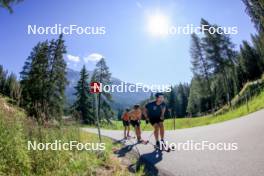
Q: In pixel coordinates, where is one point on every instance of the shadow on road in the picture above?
(124, 150)
(149, 160)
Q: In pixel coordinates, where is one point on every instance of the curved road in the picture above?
(248, 160)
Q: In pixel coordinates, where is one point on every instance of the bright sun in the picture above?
(158, 24)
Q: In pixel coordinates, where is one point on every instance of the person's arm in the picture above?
(145, 113)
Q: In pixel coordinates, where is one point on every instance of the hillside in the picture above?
(250, 99)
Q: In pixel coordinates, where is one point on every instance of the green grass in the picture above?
(15, 159)
(255, 104)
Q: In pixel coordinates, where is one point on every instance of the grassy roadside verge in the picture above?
(255, 104)
(15, 159)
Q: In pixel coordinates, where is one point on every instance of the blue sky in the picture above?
(131, 52)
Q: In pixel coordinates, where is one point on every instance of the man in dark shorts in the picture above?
(126, 123)
(154, 113)
(135, 117)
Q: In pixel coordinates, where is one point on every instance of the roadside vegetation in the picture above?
(223, 87)
(249, 100)
(16, 130)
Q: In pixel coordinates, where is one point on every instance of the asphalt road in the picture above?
(246, 134)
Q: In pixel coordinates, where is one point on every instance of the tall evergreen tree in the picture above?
(220, 52)
(12, 88)
(43, 80)
(258, 43)
(194, 100)
(250, 62)
(9, 85)
(3, 77)
(102, 74)
(83, 103)
(57, 77)
(172, 101)
(34, 85)
(182, 97)
(255, 9)
(201, 67)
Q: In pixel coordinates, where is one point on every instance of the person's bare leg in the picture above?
(161, 126)
(128, 129)
(156, 131)
(125, 129)
(139, 133)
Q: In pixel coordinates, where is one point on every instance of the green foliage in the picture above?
(102, 75)
(43, 80)
(177, 100)
(255, 9)
(15, 159)
(172, 102)
(250, 62)
(255, 103)
(84, 100)
(8, 3)
(219, 71)
(194, 100)
(9, 85)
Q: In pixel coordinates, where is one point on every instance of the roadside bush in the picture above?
(14, 158)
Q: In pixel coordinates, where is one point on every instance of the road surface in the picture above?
(246, 133)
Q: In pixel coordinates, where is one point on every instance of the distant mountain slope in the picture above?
(121, 99)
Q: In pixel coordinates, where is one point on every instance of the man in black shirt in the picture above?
(154, 113)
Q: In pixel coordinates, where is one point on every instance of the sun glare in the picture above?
(158, 24)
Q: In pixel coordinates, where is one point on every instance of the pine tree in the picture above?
(194, 100)
(102, 75)
(258, 43)
(9, 85)
(43, 81)
(219, 91)
(219, 50)
(7, 4)
(13, 89)
(84, 102)
(182, 97)
(255, 9)
(201, 67)
(57, 77)
(3, 77)
(172, 101)
(250, 62)
(34, 84)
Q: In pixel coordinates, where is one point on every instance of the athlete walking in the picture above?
(154, 113)
(135, 117)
